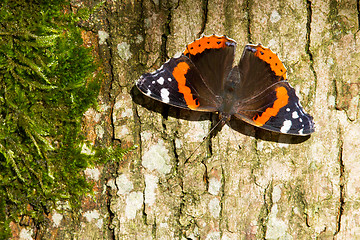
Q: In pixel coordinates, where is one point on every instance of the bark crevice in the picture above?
(205, 17)
(164, 37)
(265, 210)
(307, 47)
(222, 203)
(111, 228)
(341, 189)
(248, 5)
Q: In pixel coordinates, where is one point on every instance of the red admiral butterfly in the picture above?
(256, 91)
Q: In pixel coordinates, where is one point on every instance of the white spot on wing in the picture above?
(169, 79)
(301, 131)
(286, 126)
(148, 92)
(139, 80)
(165, 95)
(295, 115)
(300, 120)
(161, 80)
(153, 82)
(288, 109)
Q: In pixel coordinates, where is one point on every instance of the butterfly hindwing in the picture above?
(291, 119)
(277, 109)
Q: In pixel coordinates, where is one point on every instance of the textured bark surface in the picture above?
(275, 186)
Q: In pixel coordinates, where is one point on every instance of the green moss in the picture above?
(45, 87)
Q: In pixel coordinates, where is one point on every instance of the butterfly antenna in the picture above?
(236, 139)
(222, 120)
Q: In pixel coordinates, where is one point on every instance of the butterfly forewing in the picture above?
(170, 84)
(277, 109)
(213, 56)
(256, 75)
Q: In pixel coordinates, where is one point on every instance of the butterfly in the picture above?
(255, 90)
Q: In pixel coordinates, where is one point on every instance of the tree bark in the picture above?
(242, 183)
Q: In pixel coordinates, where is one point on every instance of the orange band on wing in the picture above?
(179, 74)
(281, 101)
(211, 42)
(271, 58)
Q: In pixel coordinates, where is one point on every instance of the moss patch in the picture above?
(45, 87)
